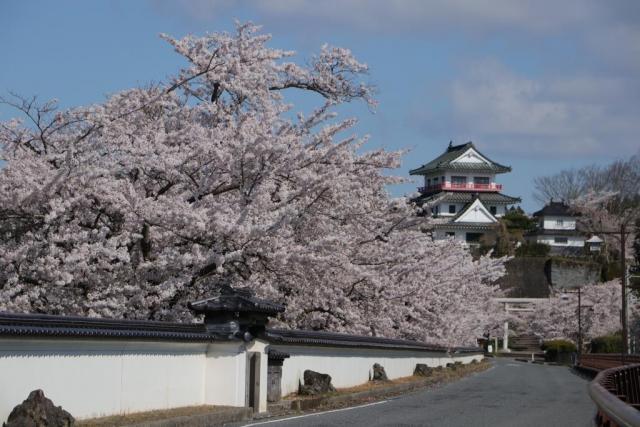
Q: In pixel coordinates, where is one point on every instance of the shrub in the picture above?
(607, 344)
(611, 270)
(517, 220)
(558, 350)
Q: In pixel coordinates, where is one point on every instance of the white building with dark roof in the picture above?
(557, 227)
(460, 188)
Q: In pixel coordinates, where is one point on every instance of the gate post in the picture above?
(274, 375)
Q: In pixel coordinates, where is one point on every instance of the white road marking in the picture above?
(315, 413)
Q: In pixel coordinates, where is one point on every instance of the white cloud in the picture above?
(581, 115)
(406, 15)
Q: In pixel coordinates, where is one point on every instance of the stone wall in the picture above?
(570, 273)
(535, 277)
(526, 278)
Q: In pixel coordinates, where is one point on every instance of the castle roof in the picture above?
(555, 209)
(449, 161)
(468, 197)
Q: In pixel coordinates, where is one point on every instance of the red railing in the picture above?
(454, 186)
(616, 393)
(601, 361)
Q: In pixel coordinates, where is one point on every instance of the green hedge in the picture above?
(558, 350)
(607, 343)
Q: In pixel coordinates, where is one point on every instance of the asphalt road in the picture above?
(508, 394)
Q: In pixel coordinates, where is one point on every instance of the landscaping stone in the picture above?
(316, 383)
(379, 373)
(38, 411)
(422, 370)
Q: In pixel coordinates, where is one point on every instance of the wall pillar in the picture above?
(260, 346)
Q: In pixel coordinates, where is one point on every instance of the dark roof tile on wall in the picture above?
(52, 326)
(43, 325)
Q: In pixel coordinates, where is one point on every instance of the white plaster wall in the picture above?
(444, 209)
(226, 365)
(572, 241)
(442, 234)
(91, 378)
(551, 223)
(471, 156)
(350, 367)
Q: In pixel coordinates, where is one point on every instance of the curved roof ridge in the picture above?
(444, 161)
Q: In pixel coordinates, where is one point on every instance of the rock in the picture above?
(378, 373)
(38, 411)
(422, 370)
(316, 383)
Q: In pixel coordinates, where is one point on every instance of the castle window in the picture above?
(481, 180)
(452, 209)
(561, 240)
(458, 179)
(493, 210)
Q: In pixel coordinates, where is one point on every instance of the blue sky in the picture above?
(538, 85)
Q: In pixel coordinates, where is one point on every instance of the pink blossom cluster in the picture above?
(557, 317)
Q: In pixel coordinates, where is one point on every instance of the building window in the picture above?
(559, 222)
(452, 209)
(435, 180)
(481, 180)
(561, 240)
(458, 179)
(451, 234)
(474, 237)
(493, 210)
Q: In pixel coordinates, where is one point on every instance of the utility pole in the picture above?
(623, 264)
(623, 261)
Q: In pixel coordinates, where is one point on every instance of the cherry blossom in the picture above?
(133, 207)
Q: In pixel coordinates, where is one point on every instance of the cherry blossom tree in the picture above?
(156, 197)
(557, 317)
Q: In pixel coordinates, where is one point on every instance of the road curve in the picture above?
(512, 394)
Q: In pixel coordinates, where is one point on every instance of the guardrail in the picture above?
(601, 361)
(616, 393)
